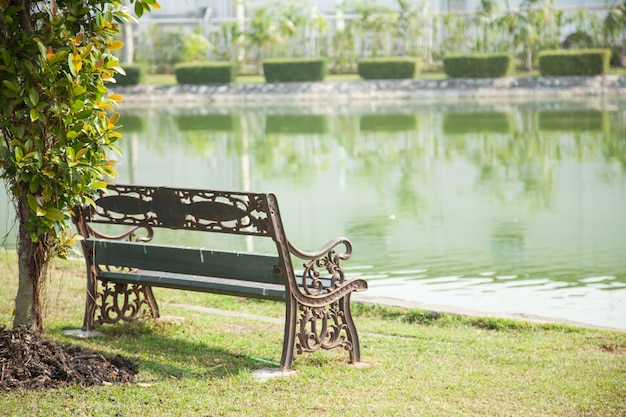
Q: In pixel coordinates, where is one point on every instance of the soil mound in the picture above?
(27, 361)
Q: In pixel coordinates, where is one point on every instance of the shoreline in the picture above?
(463, 311)
(367, 90)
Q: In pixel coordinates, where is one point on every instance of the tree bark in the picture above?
(32, 265)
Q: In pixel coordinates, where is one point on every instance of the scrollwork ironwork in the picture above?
(123, 302)
(322, 328)
(312, 281)
(216, 211)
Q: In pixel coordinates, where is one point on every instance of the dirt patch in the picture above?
(27, 361)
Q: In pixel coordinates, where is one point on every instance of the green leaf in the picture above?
(41, 46)
(77, 105)
(138, 9)
(54, 214)
(10, 85)
(34, 115)
(19, 153)
(33, 95)
(98, 185)
(32, 202)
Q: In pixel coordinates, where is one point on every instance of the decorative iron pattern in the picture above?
(205, 210)
(322, 328)
(122, 302)
(312, 282)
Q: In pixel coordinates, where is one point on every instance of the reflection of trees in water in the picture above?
(536, 145)
(515, 146)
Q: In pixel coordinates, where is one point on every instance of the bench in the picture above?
(122, 267)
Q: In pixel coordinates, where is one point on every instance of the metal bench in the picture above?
(122, 267)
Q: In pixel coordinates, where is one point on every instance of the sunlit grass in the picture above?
(195, 363)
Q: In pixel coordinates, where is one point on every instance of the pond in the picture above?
(515, 206)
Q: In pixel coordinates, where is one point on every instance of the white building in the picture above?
(226, 9)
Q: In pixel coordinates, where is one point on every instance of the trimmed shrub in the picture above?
(388, 68)
(478, 65)
(135, 74)
(294, 69)
(206, 72)
(574, 62)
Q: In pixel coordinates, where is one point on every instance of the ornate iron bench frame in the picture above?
(123, 268)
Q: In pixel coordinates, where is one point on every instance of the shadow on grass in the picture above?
(166, 351)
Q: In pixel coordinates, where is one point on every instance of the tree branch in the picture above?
(25, 22)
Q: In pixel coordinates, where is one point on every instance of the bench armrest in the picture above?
(323, 276)
(324, 250)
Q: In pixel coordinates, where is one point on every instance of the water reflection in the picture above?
(503, 206)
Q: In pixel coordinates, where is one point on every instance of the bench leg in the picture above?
(353, 336)
(289, 339)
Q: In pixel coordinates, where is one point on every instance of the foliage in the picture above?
(478, 65)
(294, 69)
(454, 37)
(206, 72)
(388, 68)
(161, 49)
(196, 47)
(574, 62)
(133, 74)
(284, 29)
(614, 25)
(58, 121)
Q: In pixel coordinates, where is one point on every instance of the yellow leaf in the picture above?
(116, 97)
(49, 53)
(115, 45)
(156, 6)
(114, 118)
(115, 135)
(76, 62)
(81, 152)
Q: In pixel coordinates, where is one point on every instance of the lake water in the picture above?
(514, 206)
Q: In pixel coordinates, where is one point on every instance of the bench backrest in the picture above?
(145, 207)
(189, 209)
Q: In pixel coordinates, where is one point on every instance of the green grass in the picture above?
(422, 363)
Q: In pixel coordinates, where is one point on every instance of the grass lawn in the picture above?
(200, 364)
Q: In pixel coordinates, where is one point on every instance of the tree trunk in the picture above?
(32, 264)
(528, 65)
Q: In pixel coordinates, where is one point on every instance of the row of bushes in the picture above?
(571, 62)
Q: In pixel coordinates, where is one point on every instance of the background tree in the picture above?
(614, 28)
(57, 123)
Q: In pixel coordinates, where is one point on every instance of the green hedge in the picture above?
(574, 62)
(135, 74)
(388, 68)
(206, 72)
(478, 65)
(294, 69)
